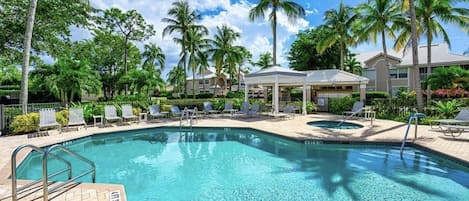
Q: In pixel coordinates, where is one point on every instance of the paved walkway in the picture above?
(381, 131)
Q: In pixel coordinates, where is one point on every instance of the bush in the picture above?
(62, 117)
(137, 97)
(235, 94)
(207, 95)
(340, 105)
(371, 95)
(25, 123)
(311, 107)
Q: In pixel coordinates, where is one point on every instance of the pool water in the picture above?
(334, 124)
(245, 164)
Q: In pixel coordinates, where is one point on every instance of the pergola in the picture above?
(277, 76)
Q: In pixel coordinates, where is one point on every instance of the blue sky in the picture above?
(256, 36)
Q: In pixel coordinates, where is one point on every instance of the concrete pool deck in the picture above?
(381, 131)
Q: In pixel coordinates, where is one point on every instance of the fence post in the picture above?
(2, 118)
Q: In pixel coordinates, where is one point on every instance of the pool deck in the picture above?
(381, 131)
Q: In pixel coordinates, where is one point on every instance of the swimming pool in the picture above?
(246, 164)
(335, 124)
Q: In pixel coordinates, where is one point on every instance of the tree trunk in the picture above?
(274, 33)
(429, 65)
(415, 59)
(342, 55)
(26, 54)
(193, 82)
(184, 62)
(125, 64)
(385, 51)
(239, 77)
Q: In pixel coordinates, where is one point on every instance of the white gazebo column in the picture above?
(276, 97)
(362, 92)
(246, 91)
(304, 99)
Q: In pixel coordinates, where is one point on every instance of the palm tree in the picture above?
(177, 77)
(246, 57)
(415, 56)
(26, 54)
(431, 13)
(221, 46)
(183, 19)
(153, 56)
(202, 59)
(265, 60)
(339, 22)
(233, 58)
(195, 44)
(352, 65)
(377, 17)
(290, 8)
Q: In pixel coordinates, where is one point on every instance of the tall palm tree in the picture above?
(183, 18)
(221, 46)
(339, 22)
(431, 13)
(377, 17)
(415, 56)
(26, 54)
(196, 43)
(233, 58)
(246, 57)
(290, 8)
(202, 59)
(153, 56)
(265, 60)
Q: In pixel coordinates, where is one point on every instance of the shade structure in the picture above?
(277, 76)
(333, 77)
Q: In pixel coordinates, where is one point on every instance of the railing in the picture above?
(188, 116)
(45, 175)
(46, 189)
(14, 189)
(416, 117)
(9, 112)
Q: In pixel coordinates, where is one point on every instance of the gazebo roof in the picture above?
(333, 76)
(275, 74)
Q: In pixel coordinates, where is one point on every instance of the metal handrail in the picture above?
(46, 189)
(14, 189)
(416, 117)
(186, 113)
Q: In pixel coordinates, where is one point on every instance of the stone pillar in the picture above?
(304, 99)
(246, 91)
(363, 93)
(276, 97)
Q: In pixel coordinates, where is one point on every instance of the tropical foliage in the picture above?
(449, 78)
(265, 60)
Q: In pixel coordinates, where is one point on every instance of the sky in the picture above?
(255, 36)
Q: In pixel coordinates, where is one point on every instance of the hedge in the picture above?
(27, 123)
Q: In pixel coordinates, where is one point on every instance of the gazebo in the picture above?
(276, 76)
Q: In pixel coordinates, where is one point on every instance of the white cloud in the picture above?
(255, 36)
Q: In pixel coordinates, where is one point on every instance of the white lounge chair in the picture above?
(357, 108)
(127, 112)
(175, 111)
(155, 111)
(208, 108)
(461, 117)
(75, 117)
(254, 110)
(47, 120)
(229, 108)
(453, 129)
(110, 114)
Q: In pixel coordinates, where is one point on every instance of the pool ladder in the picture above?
(45, 175)
(186, 115)
(413, 117)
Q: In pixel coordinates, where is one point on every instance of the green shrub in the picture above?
(165, 108)
(447, 109)
(340, 105)
(371, 95)
(235, 94)
(137, 97)
(25, 123)
(62, 117)
(207, 95)
(311, 107)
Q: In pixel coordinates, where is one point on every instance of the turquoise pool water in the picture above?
(334, 124)
(245, 164)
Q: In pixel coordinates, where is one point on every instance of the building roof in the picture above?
(332, 77)
(441, 56)
(275, 74)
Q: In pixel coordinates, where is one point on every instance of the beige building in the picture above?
(374, 65)
(208, 82)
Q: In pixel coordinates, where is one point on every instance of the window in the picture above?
(200, 81)
(370, 74)
(396, 90)
(206, 81)
(423, 73)
(398, 73)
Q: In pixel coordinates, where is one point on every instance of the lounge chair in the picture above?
(461, 117)
(175, 111)
(357, 108)
(254, 110)
(110, 114)
(47, 119)
(127, 112)
(289, 110)
(208, 108)
(155, 112)
(244, 110)
(75, 117)
(453, 129)
(229, 108)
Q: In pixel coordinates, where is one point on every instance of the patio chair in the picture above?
(208, 108)
(175, 111)
(357, 108)
(461, 117)
(229, 108)
(110, 114)
(254, 110)
(127, 112)
(47, 119)
(453, 129)
(155, 111)
(75, 117)
(244, 110)
(289, 110)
